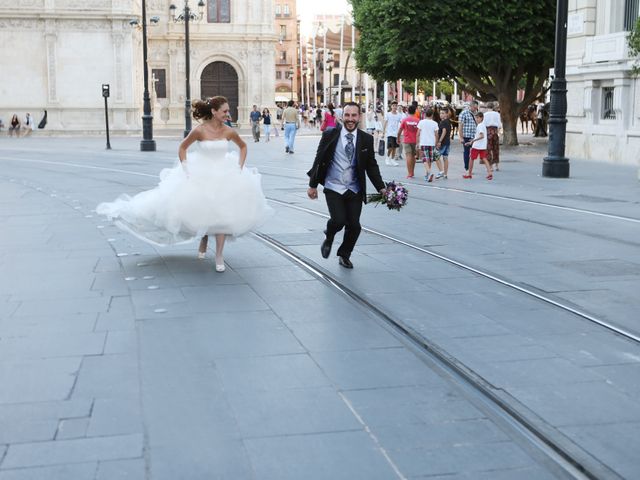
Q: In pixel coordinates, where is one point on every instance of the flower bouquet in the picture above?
(394, 196)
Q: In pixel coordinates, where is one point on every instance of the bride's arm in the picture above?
(186, 143)
(235, 138)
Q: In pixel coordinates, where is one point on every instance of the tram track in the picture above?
(412, 184)
(566, 457)
(628, 334)
(542, 437)
(609, 326)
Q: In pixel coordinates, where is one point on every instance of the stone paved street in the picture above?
(119, 360)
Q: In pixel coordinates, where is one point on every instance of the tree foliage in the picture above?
(633, 41)
(487, 46)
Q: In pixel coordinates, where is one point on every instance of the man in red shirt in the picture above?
(409, 125)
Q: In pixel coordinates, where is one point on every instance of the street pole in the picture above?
(105, 95)
(147, 144)
(315, 72)
(301, 68)
(342, 62)
(187, 66)
(324, 65)
(555, 164)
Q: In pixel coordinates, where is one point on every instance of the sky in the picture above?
(308, 8)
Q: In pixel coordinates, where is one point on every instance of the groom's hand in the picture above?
(312, 193)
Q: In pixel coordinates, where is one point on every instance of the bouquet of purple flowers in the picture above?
(394, 196)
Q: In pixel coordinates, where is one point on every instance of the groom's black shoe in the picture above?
(345, 262)
(325, 248)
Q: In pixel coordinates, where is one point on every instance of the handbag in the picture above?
(381, 147)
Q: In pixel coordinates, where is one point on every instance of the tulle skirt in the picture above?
(207, 195)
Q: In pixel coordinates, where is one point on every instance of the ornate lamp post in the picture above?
(187, 16)
(555, 164)
(330, 68)
(147, 144)
(291, 73)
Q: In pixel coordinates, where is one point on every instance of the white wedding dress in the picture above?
(206, 195)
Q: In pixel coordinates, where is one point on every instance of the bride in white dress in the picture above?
(209, 193)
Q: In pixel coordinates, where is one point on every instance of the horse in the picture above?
(528, 115)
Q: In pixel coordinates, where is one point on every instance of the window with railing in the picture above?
(278, 10)
(287, 13)
(608, 113)
(218, 11)
(278, 75)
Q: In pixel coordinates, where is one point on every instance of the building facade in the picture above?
(75, 46)
(603, 98)
(287, 27)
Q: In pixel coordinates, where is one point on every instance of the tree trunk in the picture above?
(509, 114)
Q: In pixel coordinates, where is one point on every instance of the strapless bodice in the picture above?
(217, 146)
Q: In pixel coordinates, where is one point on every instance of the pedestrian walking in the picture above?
(345, 157)
(329, 119)
(467, 130)
(391, 125)
(319, 115)
(541, 131)
(478, 147)
(409, 129)
(427, 139)
(370, 123)
(266, 122)
(254, 116)
(338, 114)
(291, 125)
(443, 143)
(278, 125)
(494, 124)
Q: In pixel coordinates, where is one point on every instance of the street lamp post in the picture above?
(555, 164)
(147, 144)
(186, 16)
(330, 68)
(291, 73)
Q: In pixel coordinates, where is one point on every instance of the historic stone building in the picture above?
(56, 54)
(603, 99)
(287, 51)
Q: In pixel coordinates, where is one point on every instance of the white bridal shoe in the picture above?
(220, 265)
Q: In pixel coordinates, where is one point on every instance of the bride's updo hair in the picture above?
(202, 108)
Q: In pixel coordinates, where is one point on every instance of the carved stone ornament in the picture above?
(21, 24)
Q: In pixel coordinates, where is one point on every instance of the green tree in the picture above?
(487, 46)
(633, 40)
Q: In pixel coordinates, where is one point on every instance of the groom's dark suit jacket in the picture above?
(365, 160)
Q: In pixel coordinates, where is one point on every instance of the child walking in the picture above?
(479, 147)
(427, 138)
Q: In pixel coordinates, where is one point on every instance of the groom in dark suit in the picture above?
(344, 155)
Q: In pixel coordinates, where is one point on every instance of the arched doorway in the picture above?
(220, 78)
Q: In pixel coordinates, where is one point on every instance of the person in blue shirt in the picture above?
(255, 123)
